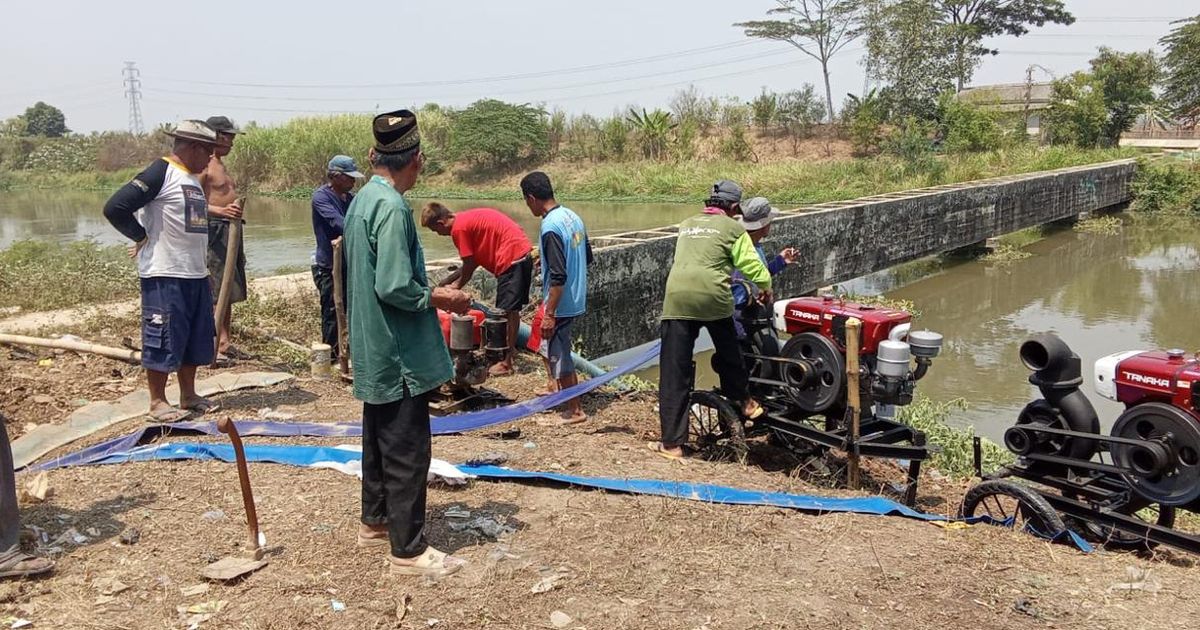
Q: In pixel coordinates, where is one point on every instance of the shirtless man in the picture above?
(223, 207)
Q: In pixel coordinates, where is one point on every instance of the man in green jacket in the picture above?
(709, 247)
(399, 352)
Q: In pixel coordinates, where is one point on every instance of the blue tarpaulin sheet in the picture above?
(315, 456)
(441, 425)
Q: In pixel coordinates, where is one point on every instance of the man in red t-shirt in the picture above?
(488, 238)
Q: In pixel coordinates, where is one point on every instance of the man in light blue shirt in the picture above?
(566, 254)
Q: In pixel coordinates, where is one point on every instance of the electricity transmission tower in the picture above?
(133, 90)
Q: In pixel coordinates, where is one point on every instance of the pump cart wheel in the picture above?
(1009, 503)
(714, 423)
(1152, 513)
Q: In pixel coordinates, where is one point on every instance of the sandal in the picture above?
(168, 415)
(202, 406)
(15, 564)
(662, 452)
(432, 564)
(755, 412)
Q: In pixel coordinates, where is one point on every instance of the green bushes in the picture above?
(495, 134)
(1160, 186)
(957, 457)
(296, 153)
(43, 275)
(968, 127)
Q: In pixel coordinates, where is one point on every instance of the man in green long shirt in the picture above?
(398, 349)
(709, 247)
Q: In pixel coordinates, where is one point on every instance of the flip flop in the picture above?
(203, 406)
(756, 413)
(432, 564)
(658, 449)
(21, 565)
(223, 361)
(168, 415)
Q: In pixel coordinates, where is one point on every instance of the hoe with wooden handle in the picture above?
(231, 567)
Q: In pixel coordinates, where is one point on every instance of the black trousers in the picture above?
(323, 278)
(396, 452)
(10, 521)
(676, 374)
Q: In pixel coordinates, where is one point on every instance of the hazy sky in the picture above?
(395, 54)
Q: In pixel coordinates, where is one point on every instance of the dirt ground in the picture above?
(608, 560)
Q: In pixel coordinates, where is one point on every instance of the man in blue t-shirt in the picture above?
(566, 254)
(329, 205)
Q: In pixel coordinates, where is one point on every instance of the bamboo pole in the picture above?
(121, 354)
(853, 401)
(232, 249)
(339, 306)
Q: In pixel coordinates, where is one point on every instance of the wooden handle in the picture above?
(232, 249)
(121, 354)
(339, 307)
(225, 425)
(853, 327)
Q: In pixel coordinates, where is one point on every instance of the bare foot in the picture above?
(501, 369)
(372, 535)
(576, 417)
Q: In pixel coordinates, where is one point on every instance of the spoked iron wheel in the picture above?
(1152, 513)
(1006, 502)
(713, 424)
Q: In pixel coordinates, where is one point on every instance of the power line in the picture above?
(260, 97)
(492, 79)
(133, 84)
(739, 72)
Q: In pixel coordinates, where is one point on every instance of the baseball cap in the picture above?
(726, 190)
(344, 164)
(757, 213)
(194, 130)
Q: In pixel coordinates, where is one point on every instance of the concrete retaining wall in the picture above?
(843, 240)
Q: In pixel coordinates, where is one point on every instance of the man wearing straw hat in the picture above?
(170, 242)
(399, 353)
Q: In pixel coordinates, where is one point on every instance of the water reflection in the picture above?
(279, 231)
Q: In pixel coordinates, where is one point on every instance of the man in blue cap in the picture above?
(329, 204)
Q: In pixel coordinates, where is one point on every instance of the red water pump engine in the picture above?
(1155, 442)
(815, 369)
(476, 341)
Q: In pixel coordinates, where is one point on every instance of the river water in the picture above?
(278, 232)
(1103, 294)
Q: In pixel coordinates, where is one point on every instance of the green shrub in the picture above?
(957, 455)
(968, 127)
(496, 134)
(42, 275)
(735, 146)
(1160, 186)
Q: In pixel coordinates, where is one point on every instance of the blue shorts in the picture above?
(558, 349)
(177, 323)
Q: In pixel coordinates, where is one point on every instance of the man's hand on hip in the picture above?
(136, 248)
(452, 300)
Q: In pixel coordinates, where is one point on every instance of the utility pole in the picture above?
(133, 90)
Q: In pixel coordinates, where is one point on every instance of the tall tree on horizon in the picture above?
(818, 28)
(1181, 71)
(971, 21)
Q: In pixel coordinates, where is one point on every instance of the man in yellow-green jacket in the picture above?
(710, 246)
